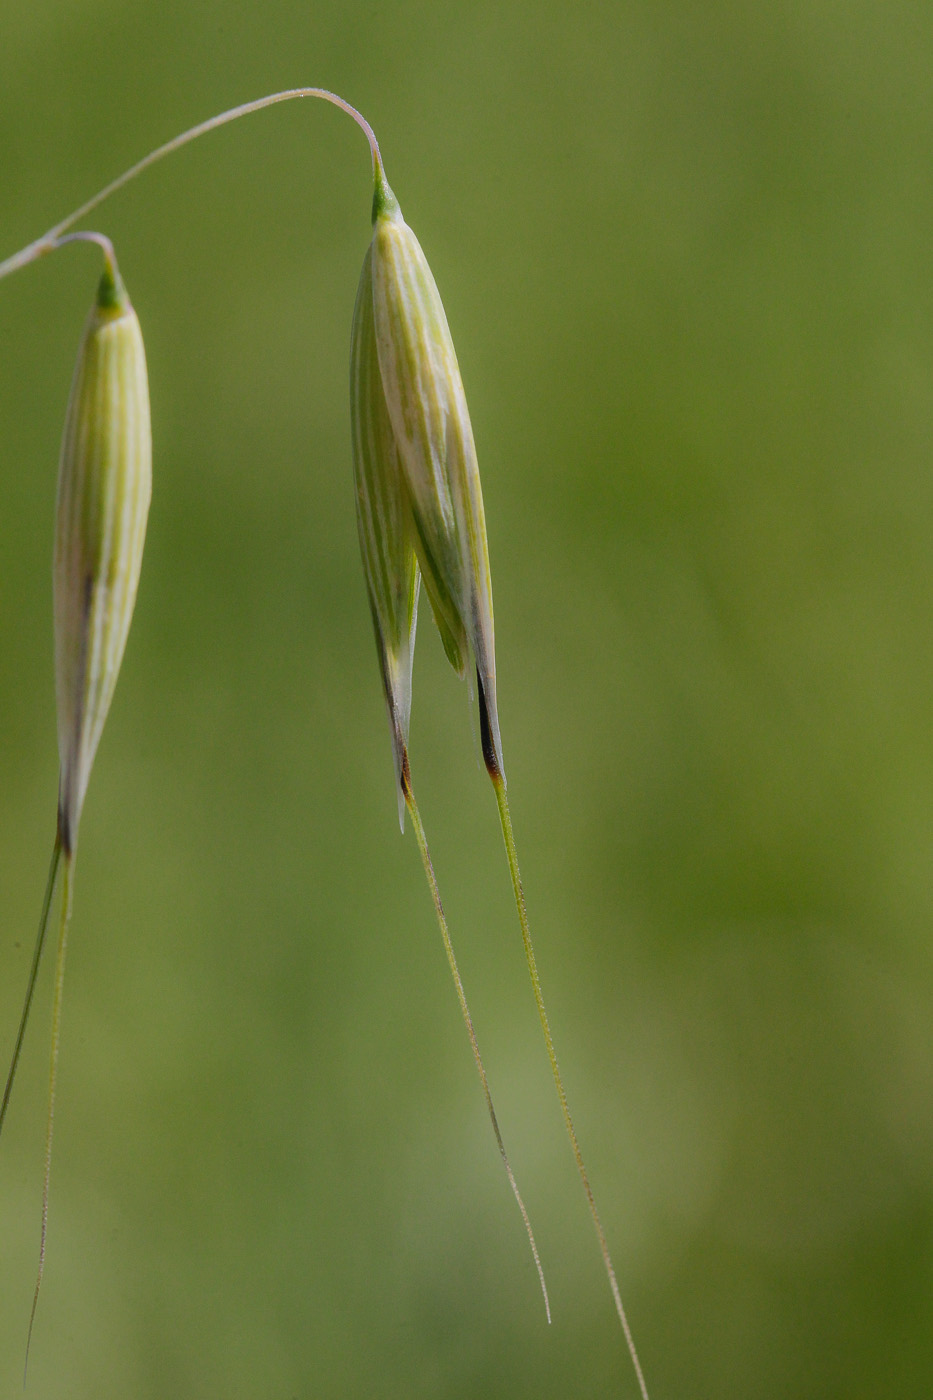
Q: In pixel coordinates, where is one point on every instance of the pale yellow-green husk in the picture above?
(104, 487)
(385, 526)
(427, 410)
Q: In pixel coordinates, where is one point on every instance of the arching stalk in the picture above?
(51, 240)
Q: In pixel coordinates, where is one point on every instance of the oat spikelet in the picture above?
(104, 487)
(385, 526)
(430, 422)
(435, 508)
(394, 525)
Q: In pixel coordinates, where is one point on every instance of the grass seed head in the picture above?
(422, 413)
(104, 486)
(385, 526)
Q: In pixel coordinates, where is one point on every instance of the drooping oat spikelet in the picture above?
(389, 541)
(430, 462)
(385, 526)
(104, 486)
(430, 421)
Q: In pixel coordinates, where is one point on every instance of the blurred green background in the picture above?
(685, 254)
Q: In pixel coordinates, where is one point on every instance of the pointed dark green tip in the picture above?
(111, 293)
(385, 205)
(488, 741)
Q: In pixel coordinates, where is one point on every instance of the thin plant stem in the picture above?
(505, 818)
(49, 241)
(33, 973)
(53, 1077)
(468, 1020)
(101, 239)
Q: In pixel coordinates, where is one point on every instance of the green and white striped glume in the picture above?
(413, 439)
(104, 488)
